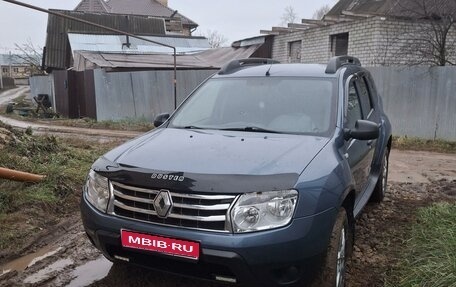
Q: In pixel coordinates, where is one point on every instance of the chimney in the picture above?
(163, 2)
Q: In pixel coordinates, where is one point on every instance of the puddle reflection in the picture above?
(91, 272)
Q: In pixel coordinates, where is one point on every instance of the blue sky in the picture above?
(235, 19)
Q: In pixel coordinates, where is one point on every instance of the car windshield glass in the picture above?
(261, 104)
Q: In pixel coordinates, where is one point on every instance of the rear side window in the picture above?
(364, 97)
(354, 107)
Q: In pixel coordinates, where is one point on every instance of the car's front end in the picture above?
(242, 184)
(228, 235)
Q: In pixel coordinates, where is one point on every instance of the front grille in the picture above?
(207, 212)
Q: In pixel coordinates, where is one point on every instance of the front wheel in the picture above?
(380, 188)
(335, 263)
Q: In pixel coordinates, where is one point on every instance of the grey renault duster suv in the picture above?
(256, 179)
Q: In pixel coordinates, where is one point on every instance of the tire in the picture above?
(334, 266)
(382, 183)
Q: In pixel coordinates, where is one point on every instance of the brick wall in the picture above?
(375, 41)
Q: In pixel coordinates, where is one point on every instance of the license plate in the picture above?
(165, 245)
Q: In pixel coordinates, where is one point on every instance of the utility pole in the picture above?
(1, 77)
(1, 73)
(10, 65)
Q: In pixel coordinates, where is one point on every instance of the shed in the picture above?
(57, 52)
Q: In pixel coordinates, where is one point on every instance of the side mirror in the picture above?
(160, 119)
(364, 130)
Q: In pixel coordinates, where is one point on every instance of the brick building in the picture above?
(377, 32)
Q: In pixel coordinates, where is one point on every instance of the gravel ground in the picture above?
(66, 258)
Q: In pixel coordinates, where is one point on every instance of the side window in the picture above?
(354, 107)
(364, 97)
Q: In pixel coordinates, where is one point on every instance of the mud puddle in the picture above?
(24, 262)
(46, 273)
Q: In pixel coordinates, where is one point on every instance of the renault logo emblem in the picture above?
(163, 203)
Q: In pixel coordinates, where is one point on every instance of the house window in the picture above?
(294, 51)
(339, 44)
(16, 70)
(5, 70)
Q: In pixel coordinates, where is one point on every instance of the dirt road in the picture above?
(39, 128)
(66, 258)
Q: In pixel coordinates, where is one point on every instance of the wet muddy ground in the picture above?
(66, 257)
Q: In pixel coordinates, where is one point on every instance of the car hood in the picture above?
(215, 152)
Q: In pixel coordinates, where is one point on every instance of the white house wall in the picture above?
(374, 41)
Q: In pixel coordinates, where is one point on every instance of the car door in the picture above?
(359, 153)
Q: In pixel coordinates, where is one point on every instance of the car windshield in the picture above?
(261, 104)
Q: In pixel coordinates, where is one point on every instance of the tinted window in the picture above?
(354, 107)
(288, 105)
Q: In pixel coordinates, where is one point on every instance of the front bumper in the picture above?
(280, 257)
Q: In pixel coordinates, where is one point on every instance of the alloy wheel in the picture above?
(340, 277)
(385, 174)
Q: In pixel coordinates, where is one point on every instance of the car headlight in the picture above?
(263, 210)
(97, 190)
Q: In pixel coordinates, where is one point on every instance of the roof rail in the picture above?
(336, 62)
(235, 65)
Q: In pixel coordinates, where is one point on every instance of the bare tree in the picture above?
(215, 38)
(321, 12)
(289, 16)
(432, 41)
(30, 55)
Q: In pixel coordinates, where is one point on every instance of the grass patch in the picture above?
(429, 258)
(131, 124)
(65, 164)
(22, 102)
(140, 124)
(411, 143)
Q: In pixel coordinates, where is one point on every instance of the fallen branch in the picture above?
(19, 175)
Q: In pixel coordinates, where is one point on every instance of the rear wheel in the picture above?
(380, 188)
(333, 269)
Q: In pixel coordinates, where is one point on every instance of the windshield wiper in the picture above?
(192, 128)
(252, 129)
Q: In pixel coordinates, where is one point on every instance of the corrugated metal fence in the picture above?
(420, 101)
(7, 82)
(142, 94)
